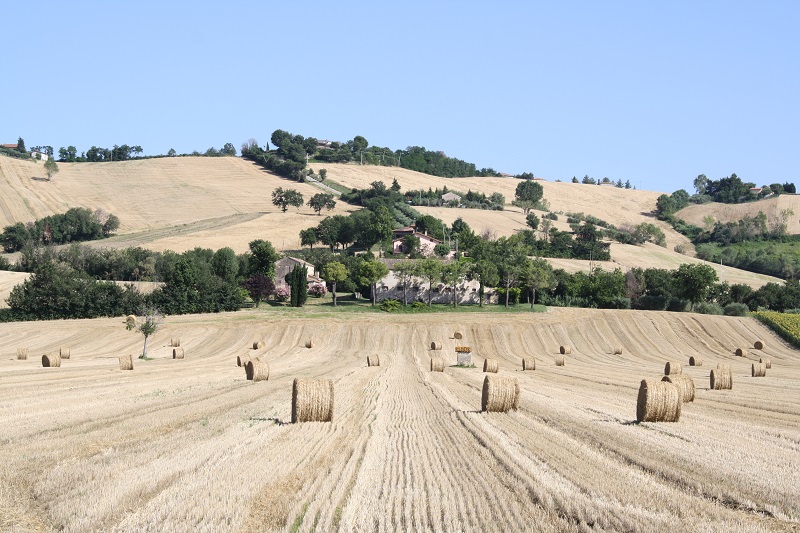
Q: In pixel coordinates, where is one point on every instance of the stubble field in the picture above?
(190, 445)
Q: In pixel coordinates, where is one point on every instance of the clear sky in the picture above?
(651, 92)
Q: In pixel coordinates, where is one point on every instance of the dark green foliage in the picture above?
(192, 286)
(321, 201)
(21, 145)
(410, 245)
(283, 198)
(225, 265)
(298, 283)
(735, 309)
(57, 292)
(708, 308)
(730, 190)
(438, 164)
(262, 258)
(77, 224)
(390, 305)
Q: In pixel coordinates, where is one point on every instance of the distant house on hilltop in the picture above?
(451, 197)
(9, 146)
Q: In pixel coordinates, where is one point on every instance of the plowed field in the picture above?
(191, 445)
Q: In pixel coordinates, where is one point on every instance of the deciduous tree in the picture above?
(334, 273)
(283, 198)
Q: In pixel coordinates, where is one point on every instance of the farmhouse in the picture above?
(426, 242)
(285, 265)
(451, 197)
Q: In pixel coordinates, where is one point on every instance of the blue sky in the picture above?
(654, 93)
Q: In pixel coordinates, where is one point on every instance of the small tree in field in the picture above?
(50, 167)
(151, 320)
(334, 272)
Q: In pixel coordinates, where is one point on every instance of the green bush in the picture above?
(677, 304)
(735, 309)
(419, 305)
(390, 305)
(706, 308)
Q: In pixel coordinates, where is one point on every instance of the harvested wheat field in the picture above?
(173, 446)
(173, 203)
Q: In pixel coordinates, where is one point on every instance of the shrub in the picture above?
(652, 303)
(282, 294)
(707, 308)
(677, 304)
(317, 290)
(390, 305)
(419, 305)
(735, 309)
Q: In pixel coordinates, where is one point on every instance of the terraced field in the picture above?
(190, 445)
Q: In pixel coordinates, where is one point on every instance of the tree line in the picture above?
(76, 225)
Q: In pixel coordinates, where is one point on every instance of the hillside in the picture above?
(176, 444)
(166, 203)
(183, 202)
(617, 206)
(771, 207)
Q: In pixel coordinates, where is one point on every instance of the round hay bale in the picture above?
(758, 345)
(174, 343)
(672, 368)
(499, 394)
(695, 361)
(529, 364)
(684, 383)
(126, 362)
(721, 378)
(310, 343)
(437, 364)
(491, 365)
(22, 354)
(617, 350)
(312, 400)
(565, 350)
(373, 360)
(241, 360)
(258, 345)
(559, 360)
(177, 353)
(458, 335)
(51, 360)
(436, 345)
(249, 369)
(758, 370)
(658, 401)
(130, 319)
(741, 352)
(63, 352)
(257, 370)
(766, 360)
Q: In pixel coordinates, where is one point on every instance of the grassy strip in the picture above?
(324, 307)
(336, 186)
(787, 325)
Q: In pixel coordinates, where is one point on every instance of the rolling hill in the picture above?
(771, 207)
(183, 202)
